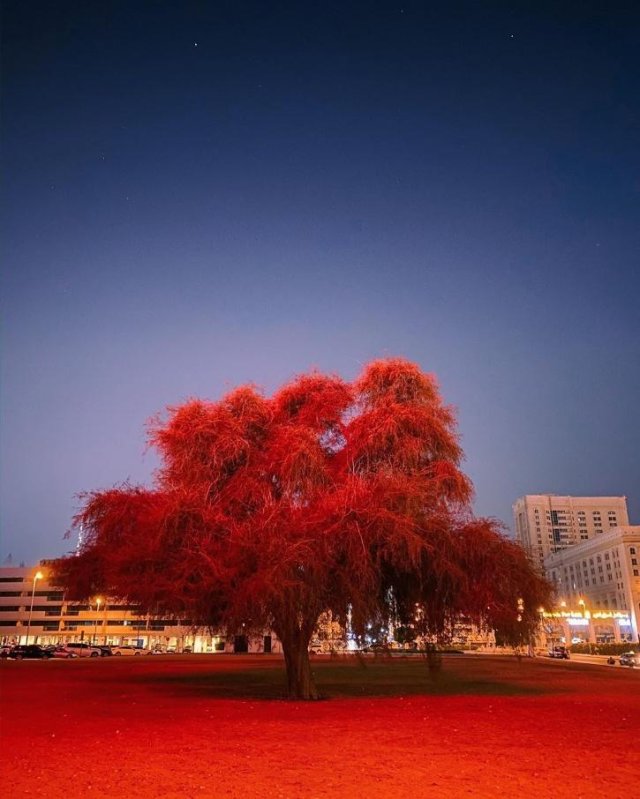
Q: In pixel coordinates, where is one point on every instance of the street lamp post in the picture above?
(591, 630)
(519, 619)
(95, 631)
(37, 576)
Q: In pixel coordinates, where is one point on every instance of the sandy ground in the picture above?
(155, 727)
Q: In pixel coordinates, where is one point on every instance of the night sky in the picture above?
(197, 195)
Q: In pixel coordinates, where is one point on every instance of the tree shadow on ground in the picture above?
(350, 680)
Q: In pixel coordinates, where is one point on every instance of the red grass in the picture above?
(155, 727)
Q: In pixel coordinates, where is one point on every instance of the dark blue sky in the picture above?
(200, 194)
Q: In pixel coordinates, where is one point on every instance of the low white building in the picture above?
(33, 611)
(597, 584)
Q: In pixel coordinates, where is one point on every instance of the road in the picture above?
(600, 660)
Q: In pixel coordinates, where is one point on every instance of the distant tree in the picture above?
(327, 496)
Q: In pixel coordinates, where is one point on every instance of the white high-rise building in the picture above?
(601, 576)
(547, 523)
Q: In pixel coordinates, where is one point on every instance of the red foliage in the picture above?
(326, 496)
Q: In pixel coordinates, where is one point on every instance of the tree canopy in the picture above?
(327, 496)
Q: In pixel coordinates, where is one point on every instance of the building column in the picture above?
(617, 637)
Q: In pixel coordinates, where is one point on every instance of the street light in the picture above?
(95, 632)
(37, 576)
(587, 615)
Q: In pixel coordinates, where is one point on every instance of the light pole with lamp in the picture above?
(37, 576)
(565, 624)
(95, 631)
(519, 620)
(105, 623)
(582, 607)
(591, 630)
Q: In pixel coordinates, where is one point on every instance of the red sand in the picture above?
(128, 727)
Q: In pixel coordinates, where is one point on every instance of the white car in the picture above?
(85, 650)
(64, 652)
(128, 649)
(559, 652)
(630, 659)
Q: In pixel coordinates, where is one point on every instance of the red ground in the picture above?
(157, 727)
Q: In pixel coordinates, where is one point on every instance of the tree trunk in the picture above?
(300, 682)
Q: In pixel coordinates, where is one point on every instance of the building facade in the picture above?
(598, 581)
(36, 612)
(548, 523)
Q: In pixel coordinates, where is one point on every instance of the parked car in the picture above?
(30, 652)
(630, 659)
(559, 652)
(85, 650)
(128, 649)
(63, 652)
(105, 651)
(5, 650)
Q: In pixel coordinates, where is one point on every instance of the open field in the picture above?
(213, 726)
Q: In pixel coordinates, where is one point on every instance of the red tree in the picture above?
(326, 496)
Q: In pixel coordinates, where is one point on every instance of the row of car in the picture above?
(77, 650)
